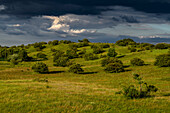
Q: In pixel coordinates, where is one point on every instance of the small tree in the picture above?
(137, 62)
(112, 52)
(76, 68)
(141, 91)
(163, 60)
(40, 67)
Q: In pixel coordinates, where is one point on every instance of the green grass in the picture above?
(91, 92)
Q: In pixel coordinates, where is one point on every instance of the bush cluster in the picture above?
(163, 60)
(144, 90)
(112, 52)
(90, 56)
(112, 65)
(76, 68)
(40, 67)
(137, 62)
(125, 42)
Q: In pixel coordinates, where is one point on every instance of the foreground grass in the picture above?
(92, 91)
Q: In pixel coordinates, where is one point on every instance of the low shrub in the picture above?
(61, 61)
(114, 67)
(42, 56)
(90, 56)
(40, 67)
(163, 60)
(140, 90)
(112, 52)
(109, 60)
(161, 46)
(76, 68)
(137, 62)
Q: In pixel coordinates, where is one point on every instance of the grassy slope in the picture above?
(93, 91)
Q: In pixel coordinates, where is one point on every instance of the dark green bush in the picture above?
(161, 46)
(42, 56)
(109, 60)
(90, 56)
(137, 62)
(114, 67)
(40, 67)
(71, 54)
(132, 49)
(98, 50)
(112, 52)
(144, 90)
(125, 42)
(61, 61)
(163, 60)
(76, 68)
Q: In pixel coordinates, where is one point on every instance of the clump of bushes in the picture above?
(112, 65)
(125, 42)
(137, 62)
(90, 56)
(140, 90)
(42, 56)
(163, 60)
(97, 50)
(61, 61)
(161, 46)
(114, 68)
(76, 68)
(109, 60)
(112, 52)
(40, 67)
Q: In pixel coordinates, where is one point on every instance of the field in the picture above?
(23, 91)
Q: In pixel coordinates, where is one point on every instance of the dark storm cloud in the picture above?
(61, 7)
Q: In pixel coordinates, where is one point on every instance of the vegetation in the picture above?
(40, 67)
(141, 91)
(137, 62)
(76, 68)
(163, 60)
(91, 90)
(112, 52)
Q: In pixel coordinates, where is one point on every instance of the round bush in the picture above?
(137, 62)
(40, 67)
(76, 68)
(161, 46)
(111, 52)
(163, 60)
(90, 56)
(114, 67)
(109, 60)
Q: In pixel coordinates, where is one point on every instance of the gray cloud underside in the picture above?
(16, 30)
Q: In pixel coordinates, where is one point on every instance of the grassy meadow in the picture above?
(24, 91)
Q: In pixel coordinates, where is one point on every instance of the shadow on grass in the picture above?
(126, 66)
(88, 72)
(166, 94)
(53, 72)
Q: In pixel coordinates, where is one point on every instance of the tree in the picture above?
(76, 68)
(23, 56)
(112, 52)
(40, 67)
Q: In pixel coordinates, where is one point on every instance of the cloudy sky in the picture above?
(28, 21)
